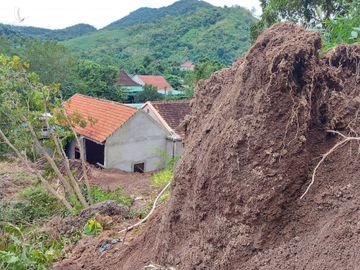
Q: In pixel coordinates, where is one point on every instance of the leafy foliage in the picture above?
(92, 227)
(61, 34)
(145, 15)
(98, 80)
(160, 179)
(337, 20)
(343, 28)
(310, 13)
(23, 249)
(150, 93)
(203, 70)
(220, 34)
(55, 64)
(30, 205)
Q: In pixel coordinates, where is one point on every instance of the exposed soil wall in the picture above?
(256, 132)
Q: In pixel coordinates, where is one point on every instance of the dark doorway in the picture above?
(139, 167)
(77, 153)
(94, 152)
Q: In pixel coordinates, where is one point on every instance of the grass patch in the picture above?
(117, 195)
(160, 179)
(30, 205)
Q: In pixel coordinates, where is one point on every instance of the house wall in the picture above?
(178, 145)
(138, 80)
(174, 149)
(137, 141)
(149, 111)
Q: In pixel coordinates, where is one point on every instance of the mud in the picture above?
(255, 134)
(104, 211)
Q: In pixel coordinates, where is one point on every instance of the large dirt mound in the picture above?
(255, 134)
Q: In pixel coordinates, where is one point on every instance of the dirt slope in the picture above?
(255, 134)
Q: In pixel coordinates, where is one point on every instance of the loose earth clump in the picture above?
(256, 132)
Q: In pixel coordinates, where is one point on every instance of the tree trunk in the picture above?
(62, 153)
(48, 187)
(56, 169)
(82, 155)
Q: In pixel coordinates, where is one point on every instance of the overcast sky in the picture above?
(55, 14)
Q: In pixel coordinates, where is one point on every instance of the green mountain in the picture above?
(146, 15)
(188, 29)
(42, 33)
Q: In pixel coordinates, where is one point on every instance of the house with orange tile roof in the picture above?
(116, 135)
(159, 82)
(187, 65)
(170, 115)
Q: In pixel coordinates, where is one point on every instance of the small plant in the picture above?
(160, 179)
(92, 227)
(117, 195)
(21, 252)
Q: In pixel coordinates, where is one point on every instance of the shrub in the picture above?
(31, 204)
(22, 249)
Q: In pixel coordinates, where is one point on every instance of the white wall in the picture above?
(150, 111)
(173, 148)
(136, 141)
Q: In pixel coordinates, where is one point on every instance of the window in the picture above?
(139, 167)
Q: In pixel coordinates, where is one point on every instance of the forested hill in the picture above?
(42, 33)
(145, 15)
(188, 29)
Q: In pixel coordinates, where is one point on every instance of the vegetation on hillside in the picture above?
(42, 33)
(56, 64)
(220, 34)
(145, 15)
(148, 41)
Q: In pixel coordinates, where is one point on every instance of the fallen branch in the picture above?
(337, 145)
(150, 213)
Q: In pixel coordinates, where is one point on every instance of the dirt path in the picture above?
(134, 184)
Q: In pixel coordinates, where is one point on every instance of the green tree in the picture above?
(309, 13)
(203, 70)
(51, 61)
(150, 93)
(25, 104)
(343, 28)
(99, 80)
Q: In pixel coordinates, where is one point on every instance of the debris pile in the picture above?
(256, 132)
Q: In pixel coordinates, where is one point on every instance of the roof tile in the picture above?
(103, 116)
(155, 80)
(173, 112)
(125, 80)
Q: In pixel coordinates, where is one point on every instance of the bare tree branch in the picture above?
(52, 191)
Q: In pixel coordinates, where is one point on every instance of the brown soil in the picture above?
(13, 178)
(134, 184)
(110, 210)
(256, 132)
